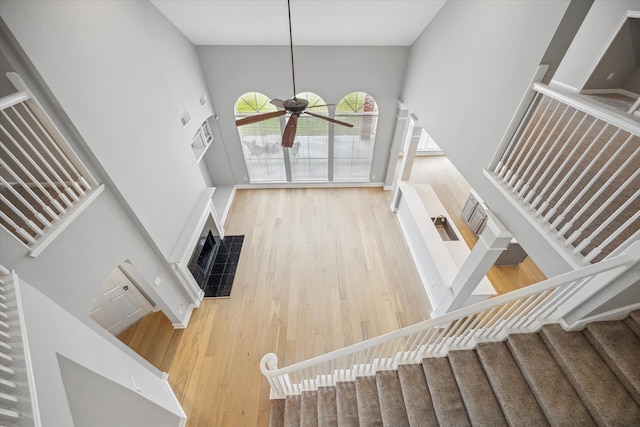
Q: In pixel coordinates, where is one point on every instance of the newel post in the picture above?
(269, 364)
(492, 242)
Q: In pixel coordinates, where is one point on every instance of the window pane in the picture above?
(309, 154)
(427, 143)
(253, 102)
(262, 151)
(261, 141)
(353, 147)
(351, 169)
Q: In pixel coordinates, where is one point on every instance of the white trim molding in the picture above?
(179, 259)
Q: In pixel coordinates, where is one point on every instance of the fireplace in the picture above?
(202, 259)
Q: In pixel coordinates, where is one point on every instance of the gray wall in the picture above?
(52, 331)
(633, 82)
(619, 60)
(331, 72)
(592, 39)
(466, 75)
(90, 395)
(72, 268)
(124, 75)
(111, 229)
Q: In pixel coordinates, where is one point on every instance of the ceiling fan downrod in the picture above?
(293, 70)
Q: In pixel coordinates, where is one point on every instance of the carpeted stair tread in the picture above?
(327, 408)
(553, 391)
(554, 377)
(392, 406)
(417, 400)
(309, 409)
(482, 406)
(292, 411)
(368, 402)
(516, 399)
(633, 321)
(276, 413)
(445, 395)
(619, 346)
(347, 404)
(606, 398)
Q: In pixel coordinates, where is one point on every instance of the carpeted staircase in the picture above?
(552, 378)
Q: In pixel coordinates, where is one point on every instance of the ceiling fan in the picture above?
(295, 106)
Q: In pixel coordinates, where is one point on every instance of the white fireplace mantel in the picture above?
(180, 256)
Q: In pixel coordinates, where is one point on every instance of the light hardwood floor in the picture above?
(452, 189)
(319, 269)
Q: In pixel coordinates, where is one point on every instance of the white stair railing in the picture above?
(524, 310)
(575, 168)
(18, 405)
(42, 181)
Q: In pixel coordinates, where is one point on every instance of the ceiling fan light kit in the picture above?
(294, 106)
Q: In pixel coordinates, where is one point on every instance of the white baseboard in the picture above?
(272, 185)
(616, 314)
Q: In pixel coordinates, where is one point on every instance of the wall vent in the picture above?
(186, 118)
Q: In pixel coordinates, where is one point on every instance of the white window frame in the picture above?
(286, 158)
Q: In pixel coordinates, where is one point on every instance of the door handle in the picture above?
(125, 287)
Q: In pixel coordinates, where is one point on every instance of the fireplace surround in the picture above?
(201, 261)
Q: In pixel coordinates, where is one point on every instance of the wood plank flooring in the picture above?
(320, 269)
(453, 190)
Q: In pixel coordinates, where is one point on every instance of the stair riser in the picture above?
(553, 378)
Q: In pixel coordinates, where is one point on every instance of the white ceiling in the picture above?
(314, 22)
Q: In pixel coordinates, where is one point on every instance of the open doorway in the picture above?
(615, 78)
(120, 302)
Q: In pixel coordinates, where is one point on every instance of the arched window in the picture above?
(261, 141)
(353, 148)
(309, 156)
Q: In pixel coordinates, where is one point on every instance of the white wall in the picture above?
(90, 405)
(466, 75)
(72, 268)
(331, 72)
(123, 74)
(52, 331)
(591, 40)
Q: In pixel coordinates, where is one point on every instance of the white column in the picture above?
(410, 149)
(492, 242)
(399, 138)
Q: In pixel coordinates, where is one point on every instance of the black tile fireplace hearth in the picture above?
(224, 267)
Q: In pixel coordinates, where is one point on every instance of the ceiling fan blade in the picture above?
(277, 102)
(323, 105)
(259, 118)
(290, 131)
(329, 119)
